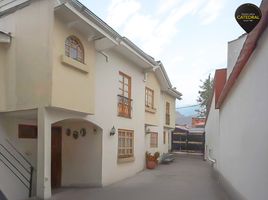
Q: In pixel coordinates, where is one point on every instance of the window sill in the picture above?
(73, 63)
(125, 160)
(150, 110)
(124, 116)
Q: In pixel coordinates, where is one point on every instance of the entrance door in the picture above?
(55, 157)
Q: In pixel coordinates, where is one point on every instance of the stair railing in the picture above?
(15, 165)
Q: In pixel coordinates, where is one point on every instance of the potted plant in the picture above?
(151, 160)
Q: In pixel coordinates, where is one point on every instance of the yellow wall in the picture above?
(2, 76)
(152, 83)
(27, 70)
(71, 88)
(172, 102)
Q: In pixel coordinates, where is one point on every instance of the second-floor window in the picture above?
(74, 49)
(167, 113)
(124, 96)
(149, 98)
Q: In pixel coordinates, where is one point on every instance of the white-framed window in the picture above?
(149, 98)
(167, 113)
(125, 143)
(74, 49)
(154, 140)
(124, 96)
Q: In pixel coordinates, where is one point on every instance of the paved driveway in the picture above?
(187, 178)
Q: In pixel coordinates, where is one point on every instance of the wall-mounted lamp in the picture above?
(112, 131)
(147, 130)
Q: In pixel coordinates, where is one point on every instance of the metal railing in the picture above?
(124, 106)
(14, 164)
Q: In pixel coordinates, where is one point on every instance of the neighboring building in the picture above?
(198, 122)
(191, 138)
(179, 139)
(76, 99)
(236, 131)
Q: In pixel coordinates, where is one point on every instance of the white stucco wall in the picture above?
(3, 49)
(9, 130)
(160, 146)
(29, 58)
(81, 158)
(212, 134)
(234, 48)
(243, 128)
(107, 83)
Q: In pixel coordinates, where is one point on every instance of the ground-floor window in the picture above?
(125, 143)
(154, 140)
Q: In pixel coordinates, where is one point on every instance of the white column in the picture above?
(43, 155)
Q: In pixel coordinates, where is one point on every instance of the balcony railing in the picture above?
(18, 165)
(124, 106)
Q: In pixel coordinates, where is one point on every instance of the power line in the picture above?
(188, 106)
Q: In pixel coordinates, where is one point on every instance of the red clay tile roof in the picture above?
(248, 48)
(219, 82)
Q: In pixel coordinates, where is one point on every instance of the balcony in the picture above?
(124, 106)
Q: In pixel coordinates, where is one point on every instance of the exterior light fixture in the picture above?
(112, 131)
(147, 130)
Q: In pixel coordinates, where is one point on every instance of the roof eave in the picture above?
(5, 37)
(245, 53)
(106, 30)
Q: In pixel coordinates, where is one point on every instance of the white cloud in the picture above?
(140, 27)
(155, 32)
(120, 10)
(166, 5)
(211, 11)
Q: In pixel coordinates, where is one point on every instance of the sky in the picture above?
(189, 36)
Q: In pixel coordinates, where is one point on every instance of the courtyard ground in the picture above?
(187, 178)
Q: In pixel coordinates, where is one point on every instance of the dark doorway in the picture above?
(56, 141)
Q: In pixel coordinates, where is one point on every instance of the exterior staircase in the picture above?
(17, 165)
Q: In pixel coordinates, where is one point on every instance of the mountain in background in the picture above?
(184, 115)
(189, 110)
(183, 120)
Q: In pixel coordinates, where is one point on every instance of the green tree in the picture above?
(205, 94)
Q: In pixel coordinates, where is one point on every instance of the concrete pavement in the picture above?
(187, 178)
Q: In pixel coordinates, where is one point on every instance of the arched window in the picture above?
(74, 49)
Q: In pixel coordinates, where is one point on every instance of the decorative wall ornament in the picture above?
(83, 132)
(68, 132)
(147, 130)
(75, 134)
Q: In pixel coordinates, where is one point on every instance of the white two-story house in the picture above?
(79, 104)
